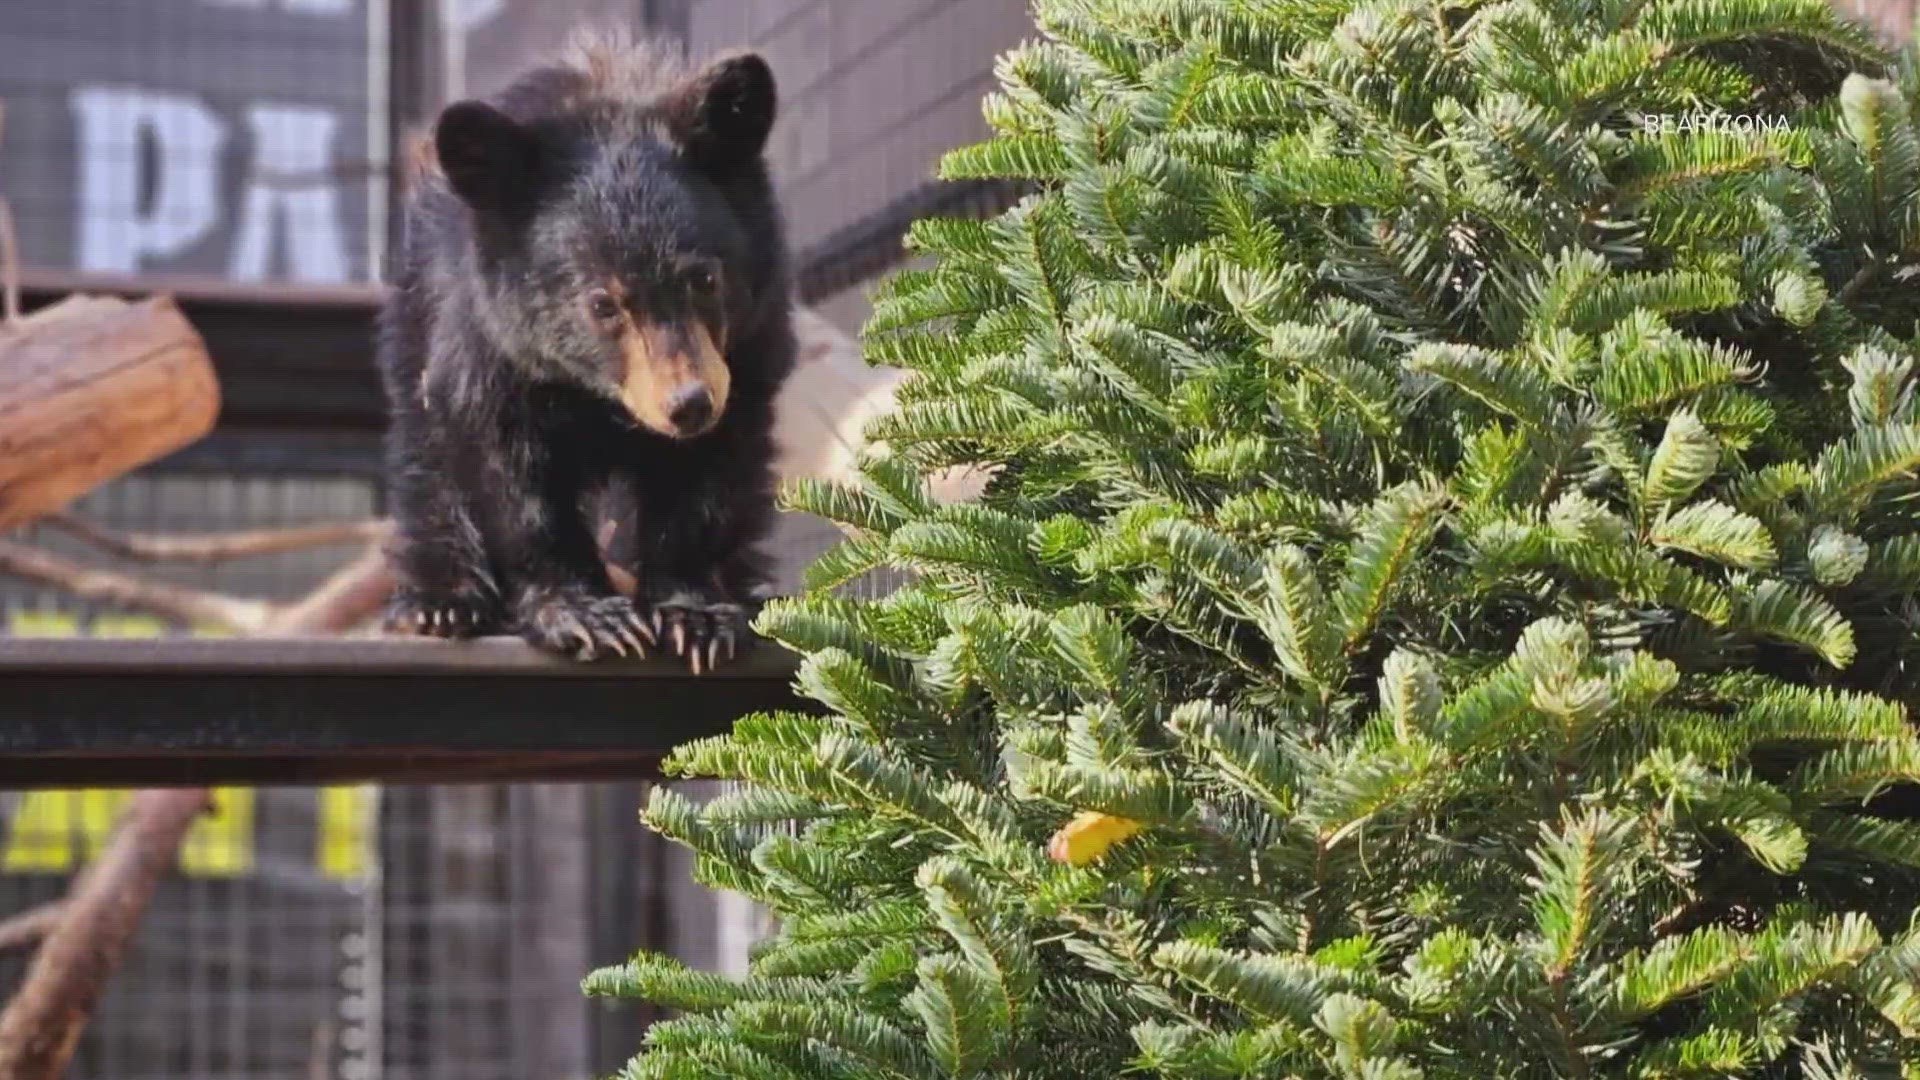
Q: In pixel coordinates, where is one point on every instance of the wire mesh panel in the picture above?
(264, 955)
(259, 957)
(253, 961)
(349, 932)
(239, 139)
(462, 914)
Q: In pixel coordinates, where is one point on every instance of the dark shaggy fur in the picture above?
(592, 298)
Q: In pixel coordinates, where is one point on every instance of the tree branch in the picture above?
(230, 613)
(42, 1024)
(353, 595)
(25, 930)
(210, 548)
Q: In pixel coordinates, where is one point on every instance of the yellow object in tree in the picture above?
(1088, 836)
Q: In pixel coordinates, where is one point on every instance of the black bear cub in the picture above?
(590, 309)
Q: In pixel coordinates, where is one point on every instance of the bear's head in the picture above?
(626, 246)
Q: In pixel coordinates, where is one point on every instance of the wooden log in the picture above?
(92, 388)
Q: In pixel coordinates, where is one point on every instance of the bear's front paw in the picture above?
(584, 627)
(460, 614)
(700, 629)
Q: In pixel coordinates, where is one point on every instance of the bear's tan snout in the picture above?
(674, 381)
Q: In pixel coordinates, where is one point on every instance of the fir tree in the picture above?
(1446, 602)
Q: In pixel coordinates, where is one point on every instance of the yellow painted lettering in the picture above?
(220, 843)
(346, 831)
(42, 838)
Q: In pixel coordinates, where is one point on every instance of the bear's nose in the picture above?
(690, 407)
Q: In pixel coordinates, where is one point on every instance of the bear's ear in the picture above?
(486, 156)
(721, 115)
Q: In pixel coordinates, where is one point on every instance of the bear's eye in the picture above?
(600, 305)
(704, 280)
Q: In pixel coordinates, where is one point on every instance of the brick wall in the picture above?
(872, 93)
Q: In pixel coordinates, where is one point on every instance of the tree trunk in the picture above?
(91, 389)
(42, 1024)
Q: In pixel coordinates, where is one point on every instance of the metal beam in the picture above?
(194, 289)
(78, 712)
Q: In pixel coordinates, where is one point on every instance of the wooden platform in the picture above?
(104, 713)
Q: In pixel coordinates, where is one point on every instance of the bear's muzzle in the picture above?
(674, 379)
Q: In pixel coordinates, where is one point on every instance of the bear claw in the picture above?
(587, 628)
(699, 630)
(459, 616)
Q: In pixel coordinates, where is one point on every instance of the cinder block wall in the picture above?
(517, 34)
(873, 92)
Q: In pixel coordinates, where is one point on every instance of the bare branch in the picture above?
(27, 929)
(230, 613)
(42, 1024)
(212, 548)
(350, 597)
